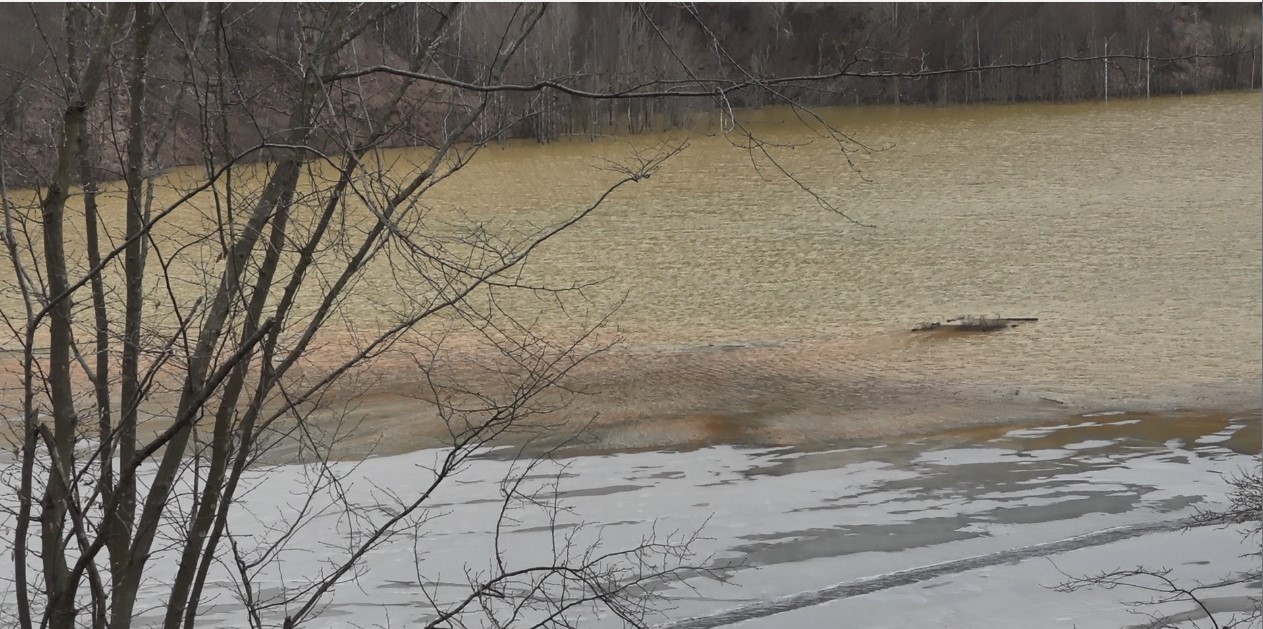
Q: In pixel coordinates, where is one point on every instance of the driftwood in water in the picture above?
(975, 324)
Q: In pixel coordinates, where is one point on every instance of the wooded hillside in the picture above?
(1152, 49)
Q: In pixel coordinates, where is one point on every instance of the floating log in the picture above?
(975, 324)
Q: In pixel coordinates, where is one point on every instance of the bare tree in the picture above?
(187, 388)
(215, 339)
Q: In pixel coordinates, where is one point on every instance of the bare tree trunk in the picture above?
(1197, 60)
(21, 581)
(1148, 70)
(60, 590)
(1252, 53)
(118, 531)
(101, 372)
(978, 59)
(1106, 63)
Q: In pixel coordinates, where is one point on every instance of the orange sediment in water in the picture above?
(752, 316)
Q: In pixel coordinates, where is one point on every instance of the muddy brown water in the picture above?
(1131, 229)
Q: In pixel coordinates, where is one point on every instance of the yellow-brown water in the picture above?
(1131, 229)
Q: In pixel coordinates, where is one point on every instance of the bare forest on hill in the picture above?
(917, 53)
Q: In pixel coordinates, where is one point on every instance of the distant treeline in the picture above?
(1210, 47)
(1135, 50)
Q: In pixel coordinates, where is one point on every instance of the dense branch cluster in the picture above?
(178, 329)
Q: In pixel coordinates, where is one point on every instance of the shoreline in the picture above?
(384, 425)
(805, 395)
